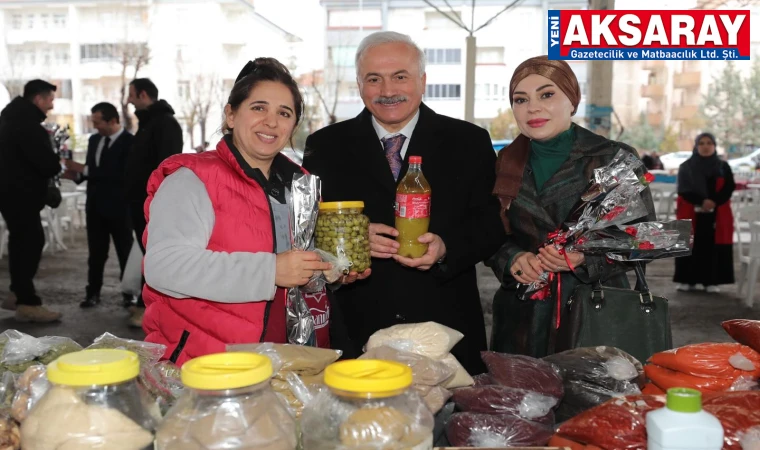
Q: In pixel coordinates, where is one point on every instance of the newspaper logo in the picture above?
(649, 35)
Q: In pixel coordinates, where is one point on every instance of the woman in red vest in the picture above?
(218, 257)
(705, 185)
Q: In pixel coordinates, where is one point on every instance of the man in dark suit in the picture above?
(356, 161)
(107, 208)
(158, 137)
(27, 163)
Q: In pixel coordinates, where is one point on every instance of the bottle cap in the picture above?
(415, 160)
(368, 378)
(94, 368)
(231, 370)
(684, 400)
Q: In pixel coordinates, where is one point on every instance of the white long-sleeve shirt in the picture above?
(177, 262)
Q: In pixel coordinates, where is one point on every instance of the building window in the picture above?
(443, 55)
(366, 18)
(443, 91)
(44, 20)
(64, 89)
(30, 21)
(109, 52)
(16, 20)
(47, 58)
(232, 53)
(437, 21)
(342, 56)
(59, 20)
(490, 55)
(183, 90)
(353, 93)
(62, 56)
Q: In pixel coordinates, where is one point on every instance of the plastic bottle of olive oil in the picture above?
(412, 210)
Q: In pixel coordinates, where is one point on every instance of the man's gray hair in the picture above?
(388, 37)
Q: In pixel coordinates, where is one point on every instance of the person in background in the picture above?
(218, 254)
(705, 186)
(652, 161)
(159, 136)
(365, 158)
(106, 208)
(540, 177)
(27, 163)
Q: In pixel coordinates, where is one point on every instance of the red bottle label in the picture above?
(413, 206)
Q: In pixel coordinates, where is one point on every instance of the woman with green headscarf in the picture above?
(540, 176)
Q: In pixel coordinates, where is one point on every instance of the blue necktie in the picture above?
(392, 146)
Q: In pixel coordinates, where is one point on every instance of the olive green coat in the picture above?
(526, 327)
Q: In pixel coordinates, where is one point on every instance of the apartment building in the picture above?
(512, 37)
(191, 49)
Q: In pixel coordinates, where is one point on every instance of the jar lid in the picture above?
(334, 206)
(94, 368)
(368, 376)
(684, 400)
(230, 370)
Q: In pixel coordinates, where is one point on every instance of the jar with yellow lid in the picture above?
(227, 403)
(94, 402)
(368, 405)
(342, 229)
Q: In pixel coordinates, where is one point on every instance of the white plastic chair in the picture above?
(743, 220)
(754, 263)
(664, 197)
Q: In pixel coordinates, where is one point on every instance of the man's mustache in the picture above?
(390, 100)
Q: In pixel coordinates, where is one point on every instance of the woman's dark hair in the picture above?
(256, 71)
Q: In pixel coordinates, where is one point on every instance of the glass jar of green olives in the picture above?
(342, 228)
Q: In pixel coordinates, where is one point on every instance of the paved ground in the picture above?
(61, 281)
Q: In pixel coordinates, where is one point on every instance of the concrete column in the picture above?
(77, 108)
(599, 89)
(469, 84)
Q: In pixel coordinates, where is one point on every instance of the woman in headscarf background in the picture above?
(705, 185)
(540, 176)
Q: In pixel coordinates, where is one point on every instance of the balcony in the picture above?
(684, 112)
(653, 90)
(655, 119)
(686, 80)
(654, 65)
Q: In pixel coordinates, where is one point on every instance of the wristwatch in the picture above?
(442, 260)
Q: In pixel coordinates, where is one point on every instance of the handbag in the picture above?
(632, 320)
(53, 197)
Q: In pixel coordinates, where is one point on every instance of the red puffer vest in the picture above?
(194, 327)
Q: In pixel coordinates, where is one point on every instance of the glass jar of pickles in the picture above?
(342, 229)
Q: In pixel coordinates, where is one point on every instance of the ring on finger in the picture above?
(518, 273)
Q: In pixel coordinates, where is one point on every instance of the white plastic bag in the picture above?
(131, 282)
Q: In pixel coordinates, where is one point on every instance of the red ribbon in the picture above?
(556, 238)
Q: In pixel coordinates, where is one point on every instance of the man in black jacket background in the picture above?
(159, 136)
(107, 208)
(27, 162)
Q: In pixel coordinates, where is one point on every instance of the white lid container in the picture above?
(682, 424)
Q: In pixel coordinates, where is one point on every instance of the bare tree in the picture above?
(326, 93)
(189, 113)
(203, 91)
(207, 91)
(12, 77)
(132, 58)
(453, 16)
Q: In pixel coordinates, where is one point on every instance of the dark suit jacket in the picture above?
(458, 161)
(106, 194)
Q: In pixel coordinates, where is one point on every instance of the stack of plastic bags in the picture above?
(429, 339)
(593, 375)
(707, 367)
(621, 423)
(511, 406)
(298, 370)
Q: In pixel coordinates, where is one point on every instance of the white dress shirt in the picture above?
(101, 144)
(406, 131)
